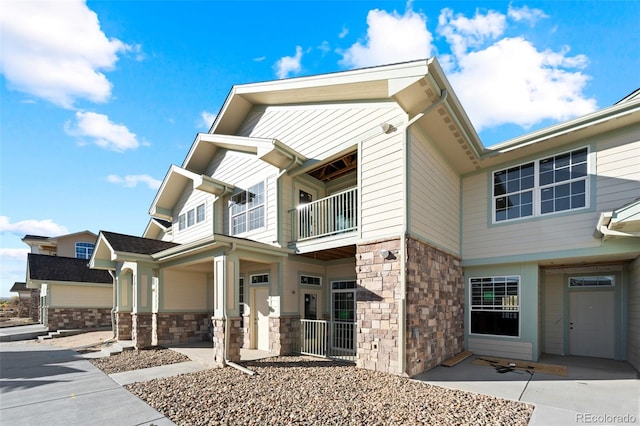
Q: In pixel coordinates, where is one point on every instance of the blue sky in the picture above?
(98, 99)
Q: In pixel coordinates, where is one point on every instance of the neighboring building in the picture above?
(357, 215)
(27, 300)
(72, 296)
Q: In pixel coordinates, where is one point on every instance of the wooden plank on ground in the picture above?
(456, 359)
(518, 364)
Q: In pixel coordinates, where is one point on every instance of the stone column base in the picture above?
(123, 325)
(141, 330)
(236, 339)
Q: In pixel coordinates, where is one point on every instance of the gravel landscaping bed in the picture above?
(309, 391)
(136, 359)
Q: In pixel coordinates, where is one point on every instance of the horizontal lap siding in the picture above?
(382, 172)
(617, 183)
(633, 329)
(188, 200)
(434, 191)
(501, 348)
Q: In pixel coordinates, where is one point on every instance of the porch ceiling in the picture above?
(345, 252)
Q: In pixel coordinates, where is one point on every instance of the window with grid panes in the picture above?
(495, 305)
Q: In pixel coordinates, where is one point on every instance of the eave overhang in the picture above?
(271, 151)
(623, 222)
(174, 183)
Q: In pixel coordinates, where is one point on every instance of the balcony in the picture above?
(333, 215)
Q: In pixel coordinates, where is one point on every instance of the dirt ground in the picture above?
(80, 340)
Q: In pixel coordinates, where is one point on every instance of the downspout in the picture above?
(226, 323)
(402, 358)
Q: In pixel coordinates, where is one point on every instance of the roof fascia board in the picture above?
(107, 265)
(606, 114)
(123, 256)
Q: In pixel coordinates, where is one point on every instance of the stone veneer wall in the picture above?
(185, 327)
(435, 307)
(236, 339)
(284, 334)
(34, 306)
(378, 300)
(123, 325)
(78, 318)
(141, 330)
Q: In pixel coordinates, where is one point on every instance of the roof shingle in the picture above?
(57, 268)
(132, 244)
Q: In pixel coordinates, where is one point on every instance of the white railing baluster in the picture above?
(327, 216)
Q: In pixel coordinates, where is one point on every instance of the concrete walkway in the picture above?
(595, 391)
(42, 384)
(22, 332)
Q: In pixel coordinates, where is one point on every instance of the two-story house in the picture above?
(358, 215)
(72, 296)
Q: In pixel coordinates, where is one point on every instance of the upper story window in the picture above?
(191, 217)
(84, 250)
(549, 185)
(247, 209)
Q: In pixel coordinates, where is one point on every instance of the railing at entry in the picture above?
(328, 339)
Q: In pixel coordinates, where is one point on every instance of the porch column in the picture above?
(141, 316)
(227, 323)
(124, 299)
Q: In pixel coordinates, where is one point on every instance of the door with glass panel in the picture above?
(343, 316)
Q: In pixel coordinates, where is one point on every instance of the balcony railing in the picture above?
(329, 339)
(328, 216)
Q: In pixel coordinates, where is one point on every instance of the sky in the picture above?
(99, 98)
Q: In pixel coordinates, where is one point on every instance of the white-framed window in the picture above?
(84, 250)
(495, 305)
(259, 279)
(552, 184)
(599, 281)
(200, 213)
(241, 295)
(313, 280)
(191, 218)
(182, 221)
(247, 209)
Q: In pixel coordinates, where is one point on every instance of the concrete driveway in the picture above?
(41, 384)
(595, 391)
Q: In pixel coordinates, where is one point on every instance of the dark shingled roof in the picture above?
(35, 237)
(164, 223)
(139, 245)
(18, 286)
(56, 268)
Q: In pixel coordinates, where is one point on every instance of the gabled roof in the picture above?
(42, 267)
(18, 287)
(132, 244)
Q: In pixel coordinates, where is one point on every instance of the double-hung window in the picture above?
(549, 185)
(495, 305)
(247, 209)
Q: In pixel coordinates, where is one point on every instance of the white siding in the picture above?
(190, 200)
(633, 315)
(501, 348)
(434, 194)
(617, 183)
(382, 174)
(554, 314)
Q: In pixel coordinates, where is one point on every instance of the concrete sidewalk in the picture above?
(595, 391)
(42, 384)
(22, 332)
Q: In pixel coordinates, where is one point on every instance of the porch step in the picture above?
(117, 347)
(60, 333)
(457, 359)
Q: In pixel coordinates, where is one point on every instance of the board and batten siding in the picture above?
(633, 314)
(553, 339)
(434, 195)
(616, 184)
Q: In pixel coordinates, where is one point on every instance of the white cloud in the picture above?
(288, 65)
(526, 14)
(14, 266)
(105, 133)
(55, 50)
(207, 119)
(390, 38)
(507, 80)
(344, 32)
(260, 59)
(131, 181)
(46, 227)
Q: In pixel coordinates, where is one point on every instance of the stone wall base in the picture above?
(123, 325)
(435, 307)
(141, 330)
(284, 333)
(182, 327)
(236, 339)
(78, 318)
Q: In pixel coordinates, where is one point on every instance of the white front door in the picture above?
(591, 323)
(260, 315)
